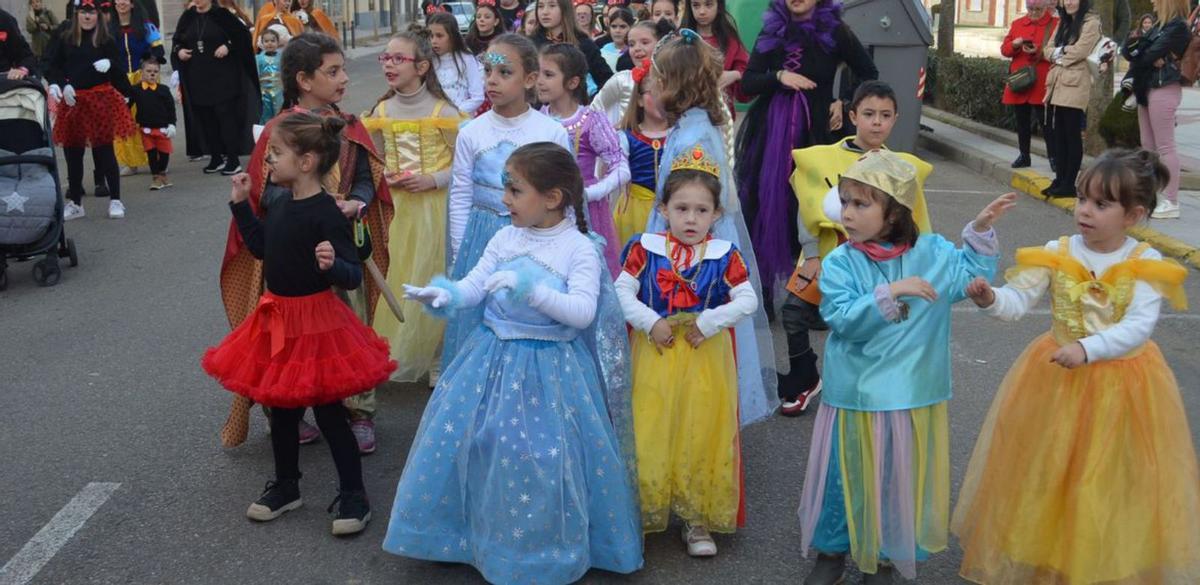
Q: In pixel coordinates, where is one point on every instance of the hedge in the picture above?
(971, 87)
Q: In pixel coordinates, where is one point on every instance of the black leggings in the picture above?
(798, 318)
(105, 160)
(334, 423)
(1026, 115)
(1068, 138)
(158, 161)
(222, 124)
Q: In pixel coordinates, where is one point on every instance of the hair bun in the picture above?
(332, 124)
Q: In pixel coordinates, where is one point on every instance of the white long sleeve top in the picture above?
(1015, 299)
(479, 138)
(461, 76)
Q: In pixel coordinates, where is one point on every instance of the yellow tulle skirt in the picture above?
(129, 149)
(632, 212)
(417, 244)
(1082, 476)
(685, 426)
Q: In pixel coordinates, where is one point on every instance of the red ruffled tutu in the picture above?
(99, 115)
(293, 352)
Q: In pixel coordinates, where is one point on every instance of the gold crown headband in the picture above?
(696, 160)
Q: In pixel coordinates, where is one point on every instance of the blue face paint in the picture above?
(495, 58)
(506, 179)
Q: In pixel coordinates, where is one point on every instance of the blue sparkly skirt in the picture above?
(482, 224)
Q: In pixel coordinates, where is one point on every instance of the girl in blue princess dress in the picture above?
(523, 465)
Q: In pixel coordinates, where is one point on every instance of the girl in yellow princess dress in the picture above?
(417, 127)
(1084, 471)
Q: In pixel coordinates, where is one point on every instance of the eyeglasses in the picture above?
(396, 58)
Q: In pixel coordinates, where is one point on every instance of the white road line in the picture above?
(22, 568)
(1161, 316)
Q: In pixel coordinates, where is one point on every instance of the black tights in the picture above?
(1026, 114)
(158, 161)
(334, 423)
(1068, 138)
(105, 160)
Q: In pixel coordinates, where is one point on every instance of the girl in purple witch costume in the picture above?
(792, 69)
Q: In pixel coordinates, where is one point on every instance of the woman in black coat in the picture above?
(212, 51)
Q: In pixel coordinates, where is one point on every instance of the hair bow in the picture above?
(639, 72)
(688, 35)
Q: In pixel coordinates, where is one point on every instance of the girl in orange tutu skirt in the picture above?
(1084, 471)
(302, 347)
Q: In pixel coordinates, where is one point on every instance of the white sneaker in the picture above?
(128, 171)
(73, 211)
(116, 209)
(699, 541)
(1166, 210)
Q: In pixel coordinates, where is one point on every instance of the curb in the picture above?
(1031, 183)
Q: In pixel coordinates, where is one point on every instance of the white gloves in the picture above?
(147, 131)
(56, 92)
(302, 15)
(169, 131)
(832, 205)
(498, 281)
(102, 65)
(429, 295)
(69, 95)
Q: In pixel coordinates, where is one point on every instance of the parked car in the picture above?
(464, 13)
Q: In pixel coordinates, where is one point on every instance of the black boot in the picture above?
(884, 575)
(279, 496)
(1023, 161)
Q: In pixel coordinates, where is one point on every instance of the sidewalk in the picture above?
(990, 155)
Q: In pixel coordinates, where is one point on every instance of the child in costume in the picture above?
(82, 67)
(475, 212)
(155, 107)
(314, 19)
(302, 347)
(561, 87)
(818, 169)
(1084, 471)
(685, 285)
(276, 12)
(643, 132)
(487, 25)
(516, 468)
(615, 96)
(416, 127)
(268, 73)
(685, 71)
(615, 44)
(712, 20)
(877, 486)
(137, 39)
(314, 80)
(459, 72)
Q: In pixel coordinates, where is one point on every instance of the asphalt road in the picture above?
(100, 382)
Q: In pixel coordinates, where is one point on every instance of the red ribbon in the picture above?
(677, 291)
(271, 313)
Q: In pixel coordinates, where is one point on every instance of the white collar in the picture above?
(657, 244)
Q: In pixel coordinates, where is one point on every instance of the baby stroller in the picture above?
(31, 201)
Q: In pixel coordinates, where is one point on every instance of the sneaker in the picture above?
(1023, 161)
(308, 433)
(214, 165)
(232, 167)
(156, 184)
(278, 497)
(354, 511)
(884, 575)
(73, 210)
(128, 171)
(829, 570)
(195, 158)
(800, 404)
(364, 435)
(116, 209)
(1130, 104)
(165, 180)
(1166, 209)
(699, 541)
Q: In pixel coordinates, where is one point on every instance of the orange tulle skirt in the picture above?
(293, 352)
(1082, 476)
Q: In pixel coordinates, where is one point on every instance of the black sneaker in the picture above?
(1023, 161)
(829, 570)
(353, 512)
(278, 497)
(102, 190)
(232, 166)
(214, 165)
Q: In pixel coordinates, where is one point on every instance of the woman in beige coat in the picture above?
(1069, 88)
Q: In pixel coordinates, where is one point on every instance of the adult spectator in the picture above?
(16, 58)
(40, 22)
(1024, 43)
(1069, 88)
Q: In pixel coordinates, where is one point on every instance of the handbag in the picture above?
(1103, 52)
(1023, 79)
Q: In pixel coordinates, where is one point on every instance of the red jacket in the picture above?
(1035, 31)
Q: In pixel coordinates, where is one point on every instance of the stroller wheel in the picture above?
(72, 254)
(46, 273)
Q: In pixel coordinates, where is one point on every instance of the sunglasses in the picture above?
(396, 58)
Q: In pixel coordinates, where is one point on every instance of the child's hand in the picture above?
(394, 179)
(693, 336)
(417, 183)
(796, 82)
(661, 335)
(350, 207)
(429, 295)
(1070, 356)
(324, 256)
(981, 292)
(994, 210)
(241, 188)
(914, 286)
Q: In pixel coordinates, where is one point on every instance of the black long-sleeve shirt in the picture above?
(597, 66)
(286, 241)
(68, 64)
(14, 51)
(155, 107)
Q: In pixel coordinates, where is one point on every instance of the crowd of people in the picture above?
(587, 263)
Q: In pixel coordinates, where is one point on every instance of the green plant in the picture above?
(970, 87)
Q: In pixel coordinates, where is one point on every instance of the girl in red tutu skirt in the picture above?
(302, 347)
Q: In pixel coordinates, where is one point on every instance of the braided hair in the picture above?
(548, 166)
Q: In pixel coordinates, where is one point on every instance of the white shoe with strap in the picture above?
(699, 542)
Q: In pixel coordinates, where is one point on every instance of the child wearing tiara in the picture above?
(561, 87)
(475, 212)
(643, 132)
(1084, 471)
(684, 290)
(302, 347)
(516, 468)
(877, 485)
(416, 126)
